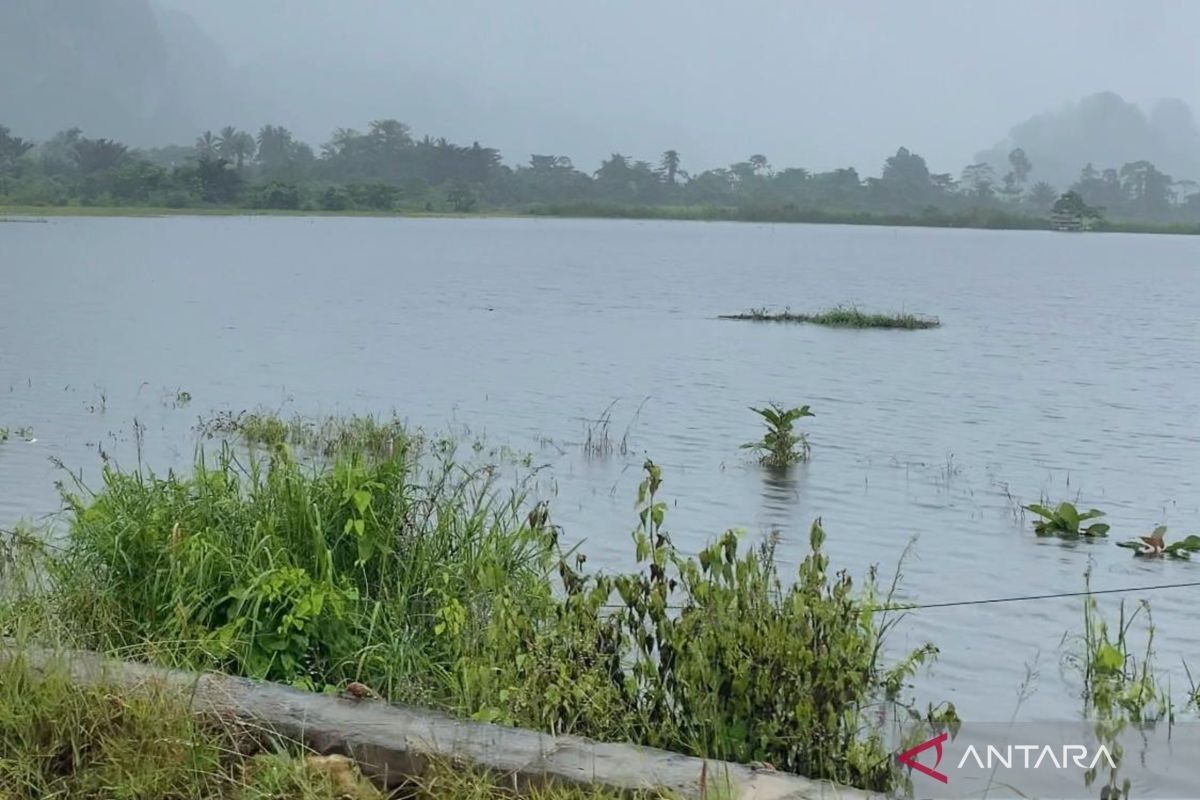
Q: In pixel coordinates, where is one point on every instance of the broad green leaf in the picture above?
(1108, 659)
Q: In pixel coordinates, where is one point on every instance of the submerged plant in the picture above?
(782, 445)
(1155, 545)
(1066, 521)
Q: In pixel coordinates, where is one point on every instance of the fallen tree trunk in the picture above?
(392, 742)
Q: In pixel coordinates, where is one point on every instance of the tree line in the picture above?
(388, 168)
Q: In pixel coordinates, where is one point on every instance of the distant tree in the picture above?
(55, 154)
(94, 155)
(274, 146)
(760, 164)
(669, 165)
(11, 148)
(234, 145)
(1020, 164)
(276, 194)
(224, 142)
(206, 145)
(389, 134)
(136, 181)
(218, 181)
(1010, 187)
(1042, 196)
(978, 181)
(1148, 189)
(462, 198)
(905, 182)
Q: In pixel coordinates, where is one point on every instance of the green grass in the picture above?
(841, 317)
(60, 739)
(356, 550)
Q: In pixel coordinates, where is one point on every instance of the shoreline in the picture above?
(666, 213)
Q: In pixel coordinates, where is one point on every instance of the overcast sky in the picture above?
(818, 84)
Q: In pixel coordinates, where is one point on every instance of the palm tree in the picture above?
(669, 165)
(244, 147)
(225, 140)
(206, 145)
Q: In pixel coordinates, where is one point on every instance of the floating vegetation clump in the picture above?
(328, 436)
(841, 317)
(1066, 521)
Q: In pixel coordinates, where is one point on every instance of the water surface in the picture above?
(1067, 365)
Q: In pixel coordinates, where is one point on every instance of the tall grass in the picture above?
(428, 581)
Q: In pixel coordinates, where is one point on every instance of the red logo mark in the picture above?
(909, 758)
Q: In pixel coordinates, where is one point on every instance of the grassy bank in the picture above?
(979, 218)
(840, 317)
(224, 211)
(59, 738)
(363, 551)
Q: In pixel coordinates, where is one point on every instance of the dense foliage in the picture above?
(383, 560)
(386, 169)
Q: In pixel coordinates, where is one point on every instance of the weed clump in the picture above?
(841, 317)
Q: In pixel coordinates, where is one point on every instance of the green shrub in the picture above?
(712, 655)
(782, 445)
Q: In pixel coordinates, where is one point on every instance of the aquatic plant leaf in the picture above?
(1069, 515)
(1040, 510)
(1108, 659)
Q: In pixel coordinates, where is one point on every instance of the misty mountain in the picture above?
(119, 68)
(1107, 131)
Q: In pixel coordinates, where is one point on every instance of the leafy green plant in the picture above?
(782, 445)
(1066, 521)
(711, 655)
(1155, 545)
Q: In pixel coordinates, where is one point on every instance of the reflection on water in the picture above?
(1062, 368)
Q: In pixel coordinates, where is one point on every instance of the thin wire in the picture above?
(1022, 598)
(1017, 599)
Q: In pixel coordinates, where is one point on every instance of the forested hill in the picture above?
(1104, 129)
(123, 69)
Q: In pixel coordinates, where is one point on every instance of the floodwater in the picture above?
(1067, 366)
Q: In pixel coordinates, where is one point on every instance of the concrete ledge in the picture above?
(391, 741)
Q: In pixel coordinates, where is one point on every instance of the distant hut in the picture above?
(1070, 213)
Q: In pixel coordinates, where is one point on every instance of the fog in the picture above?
(820, 85)
(817, 84)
